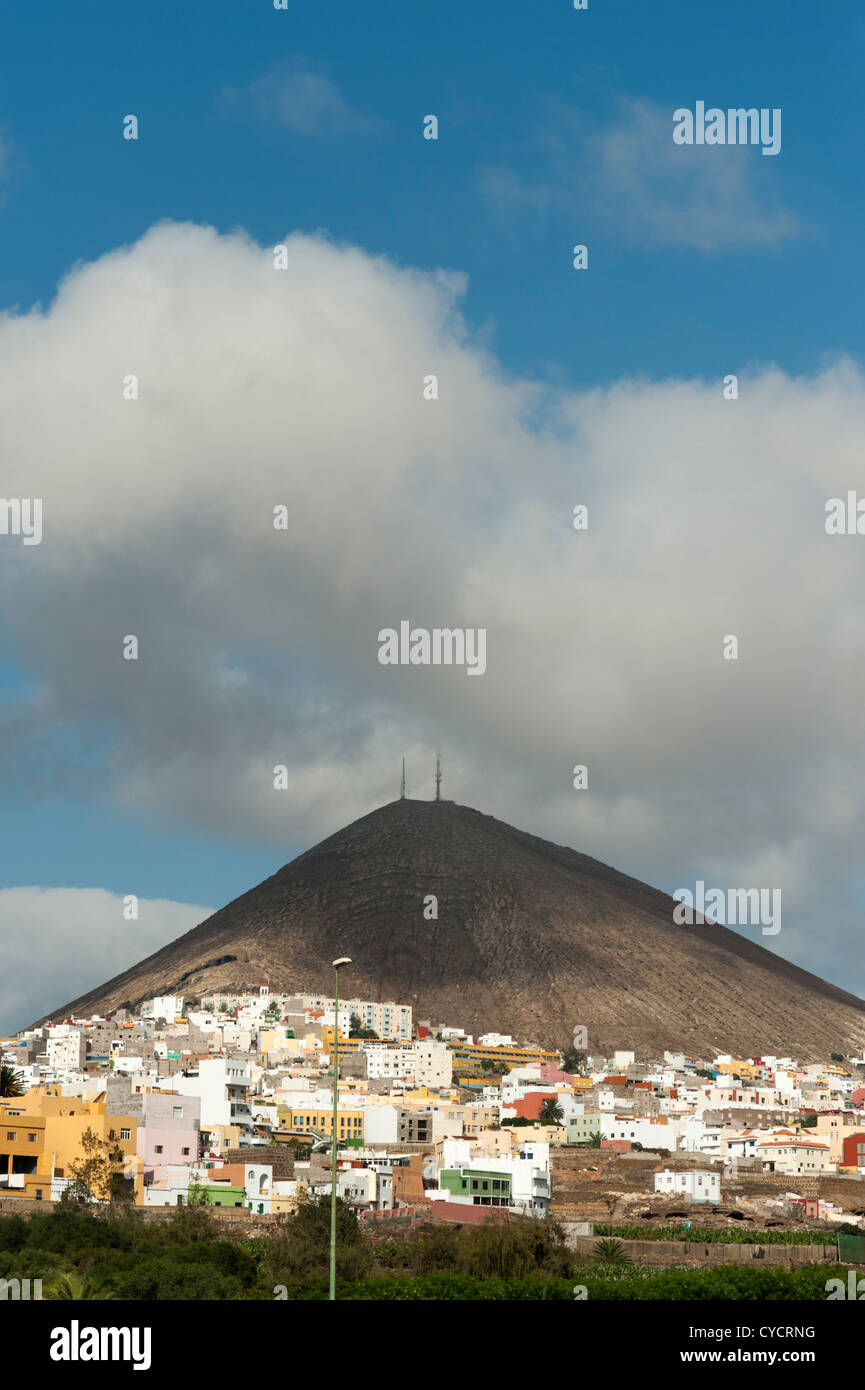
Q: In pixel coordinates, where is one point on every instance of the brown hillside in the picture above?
(531, 939)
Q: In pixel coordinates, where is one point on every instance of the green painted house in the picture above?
(485, 1189)
(582, 1127)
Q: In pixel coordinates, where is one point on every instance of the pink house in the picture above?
(169, 1131)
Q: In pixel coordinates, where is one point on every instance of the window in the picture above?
(177, 1112)
(158, 1148)
(185, 1152)
(11, 1134)
(126, 1134)
(31, 1138)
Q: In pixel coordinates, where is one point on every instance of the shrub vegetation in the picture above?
(104, 1252)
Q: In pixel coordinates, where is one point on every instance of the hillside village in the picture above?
(229, 1102)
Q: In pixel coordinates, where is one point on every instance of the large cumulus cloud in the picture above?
(303, 387)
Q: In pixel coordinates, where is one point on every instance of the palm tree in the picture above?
(551, 1112)
(11, 1082)
(611, 1252)
(592, 1142)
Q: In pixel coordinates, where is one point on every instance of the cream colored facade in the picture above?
(833, 1128)
(798, 1157)
(41, 1136)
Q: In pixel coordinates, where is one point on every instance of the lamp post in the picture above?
(343, 960)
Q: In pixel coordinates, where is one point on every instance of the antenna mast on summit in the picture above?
(402, 783)
(438, 776)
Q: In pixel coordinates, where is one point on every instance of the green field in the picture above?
(102, 1254)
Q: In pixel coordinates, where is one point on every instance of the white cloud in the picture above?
(304, 101)
(259, 647)
(646, 188)
(59, 942)
(709, 198)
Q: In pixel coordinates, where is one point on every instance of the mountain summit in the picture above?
(530, 939)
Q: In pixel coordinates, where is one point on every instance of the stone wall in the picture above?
(226, 1217)
(699, 1255)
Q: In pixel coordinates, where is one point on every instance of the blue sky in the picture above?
(490, 71)
(310, 120)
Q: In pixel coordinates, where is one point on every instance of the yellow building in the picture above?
(422, 1095)
(287, 1205)
(41, 1134)
(737, 1066)
(469, 1059)
(320, 1119)
(277, 1040)
(24, 1169)
(222, 1138)
(345, 1044)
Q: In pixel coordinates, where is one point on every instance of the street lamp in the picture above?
(343, 960)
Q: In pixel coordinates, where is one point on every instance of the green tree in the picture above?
(572, 1060)
(521, 1247)
(355, 1030)
(551, 1112)
(191, 1223)
(300, 1248)
(75, 1286)
(98, 1176)
(11, 1082)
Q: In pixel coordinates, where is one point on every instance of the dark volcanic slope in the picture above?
(531, 939)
